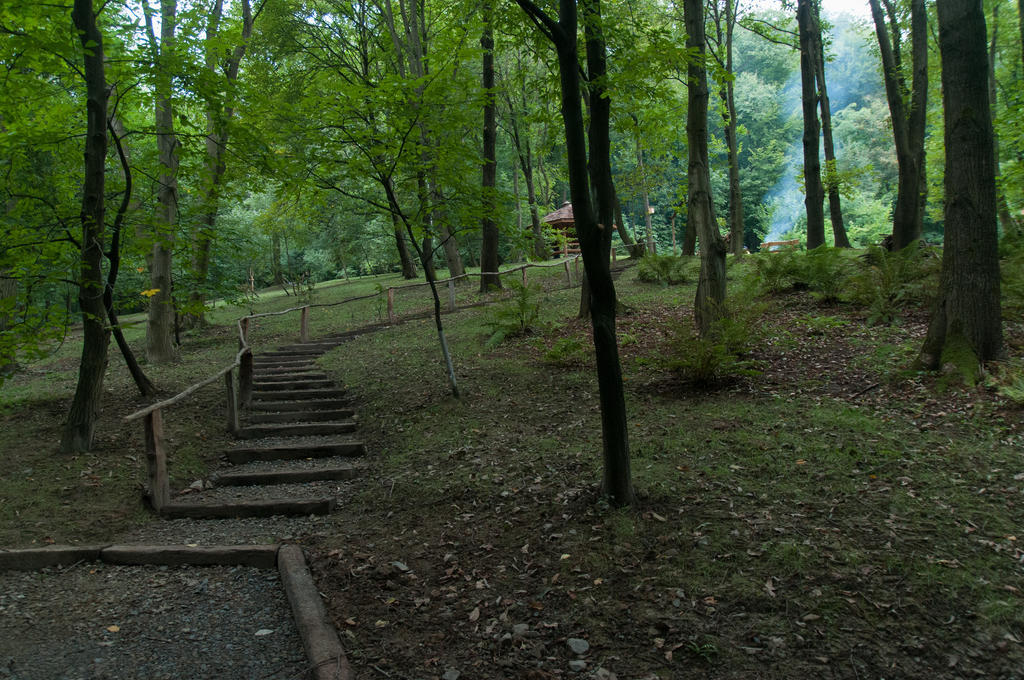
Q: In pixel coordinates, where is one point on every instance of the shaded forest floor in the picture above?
(834, 516)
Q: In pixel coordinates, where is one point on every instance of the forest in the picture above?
(762, 397)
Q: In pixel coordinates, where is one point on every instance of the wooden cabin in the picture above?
(562, 222)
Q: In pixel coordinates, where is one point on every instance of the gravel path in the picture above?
(97, 621)
(94, 621)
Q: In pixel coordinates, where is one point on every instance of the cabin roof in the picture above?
(561, 216)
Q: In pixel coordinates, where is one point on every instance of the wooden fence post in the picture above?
(576, 268)
(243, 340)
(229, 381)
(391, 305)
(451, 295)
(568, 273)
(156, 461)
(613, 254)
(304, 325)
(245, 371)
(525, 267)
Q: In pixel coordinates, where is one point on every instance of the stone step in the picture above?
(288, 374)
(296, 429)
(337, 472)
(302, 416)
(291, 395)
(309, 346)
(300, 404)
(296, 354)
(261, 508)
(285, 367)
(241, 456)
(303, 384)
(269, 358)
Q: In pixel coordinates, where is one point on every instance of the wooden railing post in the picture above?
(233, 424)
(576, 268)
(525, 267)
(156, 461)
(304, 325)
(391, 305)
(568, 273)
(613, 254)
(451, 295)
(243, 340)
(245, 371)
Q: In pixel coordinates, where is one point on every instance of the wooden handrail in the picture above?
(243, 325)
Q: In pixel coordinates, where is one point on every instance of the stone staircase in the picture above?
(298, 436)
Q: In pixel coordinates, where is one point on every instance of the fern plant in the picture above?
(886, 282)
(720, 355)
(516, 315)
(664, 269)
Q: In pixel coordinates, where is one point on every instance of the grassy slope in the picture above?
(829, 518)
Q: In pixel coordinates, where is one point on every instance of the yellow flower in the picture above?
(150, 293)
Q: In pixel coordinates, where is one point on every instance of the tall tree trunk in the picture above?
(648, 227)
(700, 208)
(218, 115)
(968, 307)
(275, 258)
(427, 258)
(730, 123)
(408, 264)
(593, 222)
(835, 208)
(814, 194)
(489, 241)
(160, 325)
(540, 246)
(85, 407)
(689, 236)
(1005, 218)
(908, 125)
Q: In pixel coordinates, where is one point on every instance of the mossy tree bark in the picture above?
(968, 308)
(700, 209)
(814, 193)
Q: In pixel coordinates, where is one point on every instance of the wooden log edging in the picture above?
(319, 637)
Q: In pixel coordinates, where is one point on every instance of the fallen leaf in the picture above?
(263, 631)
(113, 629)
(475, 614)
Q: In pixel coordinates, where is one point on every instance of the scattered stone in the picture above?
(578, 646)
(520, 629)
(604, 674)
(451, 674)
(577, 665)
(263, 631)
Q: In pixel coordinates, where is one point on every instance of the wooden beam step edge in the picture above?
(298, 417)
(298, 452)
(259, 508)
(300, 404)
(29, 559)
(296, 429)
(338, 472)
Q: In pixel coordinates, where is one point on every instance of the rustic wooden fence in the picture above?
(240, 396)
